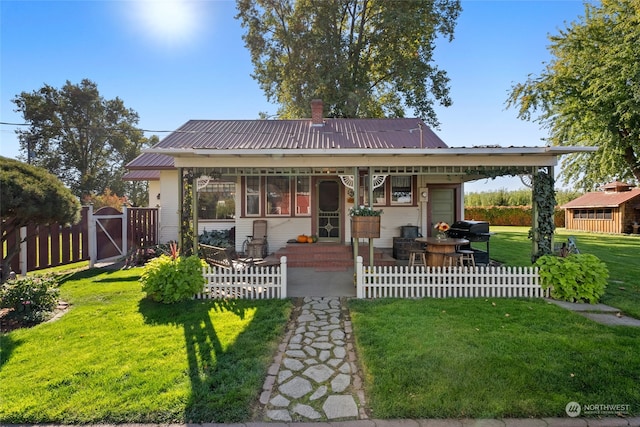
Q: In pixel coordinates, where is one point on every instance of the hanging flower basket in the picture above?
(366, 227)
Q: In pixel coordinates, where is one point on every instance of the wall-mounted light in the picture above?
(158, 196)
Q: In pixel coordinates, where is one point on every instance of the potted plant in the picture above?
(365, 222)
(442, 228)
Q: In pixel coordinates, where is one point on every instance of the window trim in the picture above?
(245, 194)
(266, 198)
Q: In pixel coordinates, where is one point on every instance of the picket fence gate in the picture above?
(251, 282)
(447, 282)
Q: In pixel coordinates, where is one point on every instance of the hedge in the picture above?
(508, 215)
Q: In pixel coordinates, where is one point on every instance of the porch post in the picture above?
(181, 207)
(194, 207)
(356, 200)
(534, 220)
(370, 172)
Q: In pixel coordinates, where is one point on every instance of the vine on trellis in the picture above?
(186, 218)
(543, 196)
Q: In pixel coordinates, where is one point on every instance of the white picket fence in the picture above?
(447, 282)
(266, 282)
(253, 282)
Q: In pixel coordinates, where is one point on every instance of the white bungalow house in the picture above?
(304, 175)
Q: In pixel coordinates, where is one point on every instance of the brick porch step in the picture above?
(328, 256)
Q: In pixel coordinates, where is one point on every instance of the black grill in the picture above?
(473, 231)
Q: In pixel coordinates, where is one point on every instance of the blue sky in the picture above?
(172, 61)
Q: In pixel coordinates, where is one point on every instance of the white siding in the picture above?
(279, 230)
(169, 218)
(393, 217)
(154, 190)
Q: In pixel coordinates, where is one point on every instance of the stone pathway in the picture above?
(315, 376)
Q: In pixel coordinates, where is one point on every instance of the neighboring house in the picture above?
(615, 209)
(304, 175)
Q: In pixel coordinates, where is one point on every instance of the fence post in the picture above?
(125, 230)
(22, 255)
(283, 276)
(359, 278)
(93, 244)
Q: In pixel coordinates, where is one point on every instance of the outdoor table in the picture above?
(438, 248)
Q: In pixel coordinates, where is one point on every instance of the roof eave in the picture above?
(457, 151)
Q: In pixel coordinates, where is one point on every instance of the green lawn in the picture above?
(621, 253)
(503, 357)
(478, 358)
(117, 357)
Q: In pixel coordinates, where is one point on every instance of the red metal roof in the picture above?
(300, 134)
(142, 175)
(150, 161)
(601, 199)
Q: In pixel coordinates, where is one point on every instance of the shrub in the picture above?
(576, 278)
(220, 238)
(171, 279)
(33, 298)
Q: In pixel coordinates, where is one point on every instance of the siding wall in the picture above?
(169, 218)
(283, 229)
(612, 225)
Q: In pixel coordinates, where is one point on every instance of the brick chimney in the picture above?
(317, 118)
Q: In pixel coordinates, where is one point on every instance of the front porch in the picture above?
(331, 256)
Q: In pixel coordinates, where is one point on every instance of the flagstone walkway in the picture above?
(315, 376)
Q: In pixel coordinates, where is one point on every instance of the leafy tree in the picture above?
(107, 198)
(363, 58)
(589, 93)
(82, 138)
(31, 195)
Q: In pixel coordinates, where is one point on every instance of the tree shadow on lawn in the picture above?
(226, 374)
(7, 345)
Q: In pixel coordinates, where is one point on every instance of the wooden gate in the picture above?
(110, 235)
(119, 232)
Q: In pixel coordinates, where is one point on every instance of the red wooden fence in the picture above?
(53, 245)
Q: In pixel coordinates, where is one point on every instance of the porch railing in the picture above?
(447, 282)
(253, 282)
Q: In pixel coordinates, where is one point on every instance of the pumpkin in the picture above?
(302, 238)
(309, 239)
(315, 238)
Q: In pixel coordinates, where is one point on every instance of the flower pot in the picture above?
(366, 227)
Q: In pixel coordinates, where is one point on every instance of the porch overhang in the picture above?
(457, 159)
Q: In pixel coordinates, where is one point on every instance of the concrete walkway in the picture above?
(599, 313)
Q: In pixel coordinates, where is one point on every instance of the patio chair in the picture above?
(223, 257)
(257, 245)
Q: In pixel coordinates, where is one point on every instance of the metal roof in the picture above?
(300, 134)
(142, 175)
(151, 161)
(602, 199)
